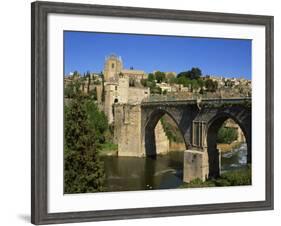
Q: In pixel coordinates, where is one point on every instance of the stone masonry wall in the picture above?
(161, 140)
(174, 146)
(127, 129)
(136, 95)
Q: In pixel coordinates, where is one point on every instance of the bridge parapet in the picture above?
(206, 101)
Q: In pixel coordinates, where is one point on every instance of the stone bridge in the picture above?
(198, 121)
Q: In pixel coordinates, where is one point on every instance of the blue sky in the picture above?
(86, 51)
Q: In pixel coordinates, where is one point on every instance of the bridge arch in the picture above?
(149, 130)
(241, 118)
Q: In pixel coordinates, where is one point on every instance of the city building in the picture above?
(118, 87)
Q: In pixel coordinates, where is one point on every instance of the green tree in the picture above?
(194, 84)
(93, 94)
(151, 84)
(72, 89)
(227, 135)
(83, 170)
(201, 83)
(97, 121)
(151, 77)
(159, 76)
(88, 76)
(194, 73)
(76, 74)
(184, 81)
(173, 80)
(103, 91)
(68, 90)
(211, 85)
(144, 82)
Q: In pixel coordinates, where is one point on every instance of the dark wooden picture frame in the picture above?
(39, 192)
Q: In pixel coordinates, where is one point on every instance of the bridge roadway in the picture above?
(148, 102)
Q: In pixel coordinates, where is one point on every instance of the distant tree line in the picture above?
(191, 79)
(83, 82)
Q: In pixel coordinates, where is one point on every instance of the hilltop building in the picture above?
(121, 85)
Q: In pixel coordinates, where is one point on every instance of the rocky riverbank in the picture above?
(229, 147)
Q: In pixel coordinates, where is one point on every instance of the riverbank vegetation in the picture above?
(109, 148)
(171, 130)
(227, 135)
(231, 178)
(227, 139)
(87, 135)
(83, 170)
(174, 135)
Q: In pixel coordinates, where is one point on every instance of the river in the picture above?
(164, 172)
(235, 159)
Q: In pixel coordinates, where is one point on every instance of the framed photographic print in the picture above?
(140, 112)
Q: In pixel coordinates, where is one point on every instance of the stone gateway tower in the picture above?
(112, 68)
(116, 85)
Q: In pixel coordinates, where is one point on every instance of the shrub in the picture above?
(232, 178)
(227, 135)
(197, 183)
(238, 177)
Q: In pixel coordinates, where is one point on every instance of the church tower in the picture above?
(112, 68)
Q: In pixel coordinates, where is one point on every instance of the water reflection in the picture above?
(164, 172)
(133, 173)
